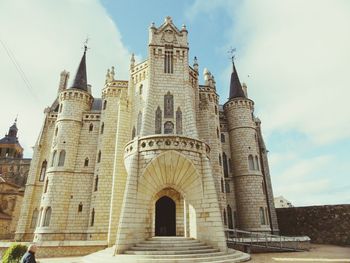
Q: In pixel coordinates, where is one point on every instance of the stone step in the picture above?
(172, 252)
(185, 241)
(171, 238)
(168, 255)
(162, 245)
(161, 248)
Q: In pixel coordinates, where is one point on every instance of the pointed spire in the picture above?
(195, 64)
(80, 80)
(236, 90)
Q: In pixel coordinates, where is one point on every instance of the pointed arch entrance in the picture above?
(165, 217)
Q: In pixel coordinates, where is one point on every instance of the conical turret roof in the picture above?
(80, 80)
(236, 90)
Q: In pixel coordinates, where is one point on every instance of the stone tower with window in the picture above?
(156, 155)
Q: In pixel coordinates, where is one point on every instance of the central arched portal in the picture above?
(165, 217)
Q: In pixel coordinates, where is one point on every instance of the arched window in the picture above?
(61, 158)
(257, 163)
(168, 105)
(43, 171)
(99, 156)
(133, 133)
(222, 185)
(168, 127)
(262, 216)
(230, 165)
(40, 216)
(91, 127)
(92, 217)
(46, 185)
(96, 183)
(140, 89)
(266, 216)
(263, 187)
(178, 121)
(104, 104)
(86, 162)
(168, 62)
(227, 187)
(222, 137)
(225, 218)
(217, 132)
(80, 207)
(158, 121)
(216, 110)
(56, 131)
(102, 127)
(53, 160)
(224, 157)
(34, 218)
(47, 216)
(139, 122)
(220, 162)
(229, 217)
(251, 162)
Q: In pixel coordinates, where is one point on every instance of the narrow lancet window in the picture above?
(139, 122)
(43, 171)
(158, 121)
(178, 121)
(168, 105)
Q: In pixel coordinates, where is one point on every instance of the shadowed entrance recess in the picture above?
(165, 217)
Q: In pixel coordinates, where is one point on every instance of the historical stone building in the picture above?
(13, 167)
(13, 176)
(155, 156)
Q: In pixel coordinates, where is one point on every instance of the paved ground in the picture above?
(317, 254)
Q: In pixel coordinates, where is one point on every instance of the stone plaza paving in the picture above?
(318, 253)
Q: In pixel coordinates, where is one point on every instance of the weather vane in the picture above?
(232, 52)
(86, 42)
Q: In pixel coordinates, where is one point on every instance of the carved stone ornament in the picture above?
(168, 36)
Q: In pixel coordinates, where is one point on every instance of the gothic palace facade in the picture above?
(155, 156)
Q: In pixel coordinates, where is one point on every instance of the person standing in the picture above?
(29, 256)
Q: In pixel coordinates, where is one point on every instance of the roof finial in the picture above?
(232, 52)
(16, 118)
(85, 44)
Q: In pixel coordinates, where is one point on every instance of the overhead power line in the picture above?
(19, 70)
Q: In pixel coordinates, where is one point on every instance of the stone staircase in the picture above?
(169, 249)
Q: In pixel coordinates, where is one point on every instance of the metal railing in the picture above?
(263, 240)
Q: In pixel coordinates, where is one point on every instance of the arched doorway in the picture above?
(165, 217)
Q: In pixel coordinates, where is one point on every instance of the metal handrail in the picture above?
(261, 239)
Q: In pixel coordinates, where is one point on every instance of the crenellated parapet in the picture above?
(76, 95)
(115, 88)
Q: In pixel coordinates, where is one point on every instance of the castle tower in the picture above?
(64, 182)
(245, 154)
(169, 173)
(167, 85)
(112, 126)
(209, 130)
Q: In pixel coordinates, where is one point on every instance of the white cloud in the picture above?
(298, 57)
(46, 37)
(297, 54)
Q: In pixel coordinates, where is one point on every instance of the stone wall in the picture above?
(329, 224)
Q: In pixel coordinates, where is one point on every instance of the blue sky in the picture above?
(294, 56)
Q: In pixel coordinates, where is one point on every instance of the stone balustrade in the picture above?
(166, 142)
